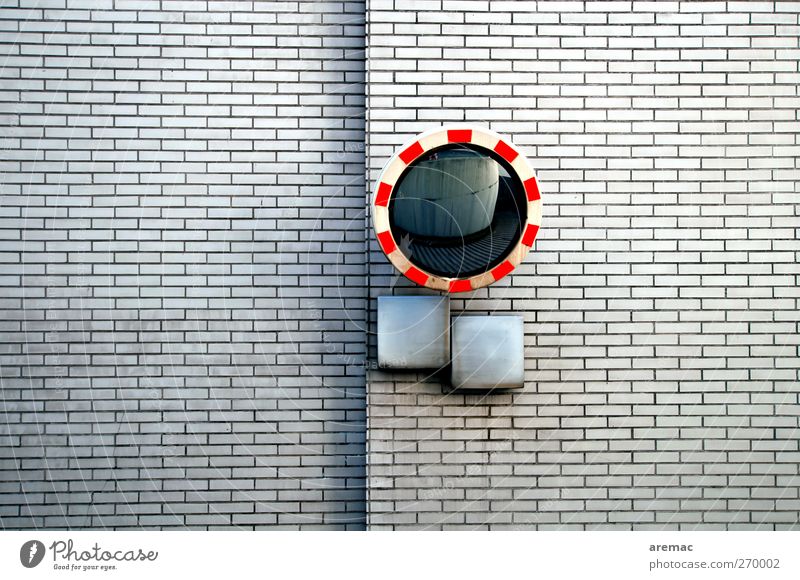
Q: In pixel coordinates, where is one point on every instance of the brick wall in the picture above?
(661, 300)
(182, 264)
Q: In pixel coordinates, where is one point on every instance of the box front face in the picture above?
(413, 332)
(488, 352)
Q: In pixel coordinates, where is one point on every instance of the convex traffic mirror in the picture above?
(457, 209)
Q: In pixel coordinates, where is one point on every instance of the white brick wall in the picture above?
(181, 338)
(661, 300)
(182, 265)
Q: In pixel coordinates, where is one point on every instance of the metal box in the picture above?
(413, 332)
(488, 352)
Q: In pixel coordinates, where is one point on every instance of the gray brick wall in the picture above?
(661, 300)
(182, 264)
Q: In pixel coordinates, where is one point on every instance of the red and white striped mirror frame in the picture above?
(433, 139)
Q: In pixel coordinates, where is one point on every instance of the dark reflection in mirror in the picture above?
(458, 211)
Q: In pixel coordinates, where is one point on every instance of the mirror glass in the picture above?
(457, 211)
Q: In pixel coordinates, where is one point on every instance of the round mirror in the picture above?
(457, 209)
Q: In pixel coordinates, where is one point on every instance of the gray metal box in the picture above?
(488, 352)
(413, 332)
